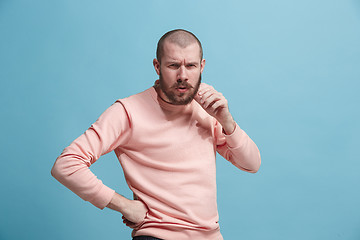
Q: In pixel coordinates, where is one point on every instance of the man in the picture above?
(166, 140)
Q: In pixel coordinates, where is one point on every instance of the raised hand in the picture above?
(216, 105)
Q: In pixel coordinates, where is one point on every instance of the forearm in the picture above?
(240, 150)
(76, 176)
(228, 125)
(133, 211)
(119, 203)
(71, 168)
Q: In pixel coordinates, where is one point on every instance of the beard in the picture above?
(179, 98)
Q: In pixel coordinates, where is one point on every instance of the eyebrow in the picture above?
(193, 63)
(178, 62)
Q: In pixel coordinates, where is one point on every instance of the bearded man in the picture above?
(166, 139)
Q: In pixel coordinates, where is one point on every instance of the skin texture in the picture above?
(216, 105)
(133, 211)
(179, 68)
(180, 76)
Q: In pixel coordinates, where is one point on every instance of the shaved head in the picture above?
(179, 37)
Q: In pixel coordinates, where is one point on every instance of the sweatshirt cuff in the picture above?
(103, 197)
(235, 139)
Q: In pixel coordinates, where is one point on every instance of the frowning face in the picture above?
(179, 73)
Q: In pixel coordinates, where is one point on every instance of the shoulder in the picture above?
(140, 103)
(121, 106)
(143, 96)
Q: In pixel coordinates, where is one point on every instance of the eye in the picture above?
(174, 65)
(191, 65)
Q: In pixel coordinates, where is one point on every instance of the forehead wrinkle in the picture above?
(184, 60)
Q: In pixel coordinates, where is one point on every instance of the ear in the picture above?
(202, 65)
(156, 66)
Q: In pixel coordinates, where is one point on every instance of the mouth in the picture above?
(182, 89)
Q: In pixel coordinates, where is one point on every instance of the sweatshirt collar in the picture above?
(166, 105)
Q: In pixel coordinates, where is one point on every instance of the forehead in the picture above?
(172, 51)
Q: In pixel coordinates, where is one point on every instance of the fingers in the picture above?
(210, 99)
(218, 105)
(204, 88)
(128, 223)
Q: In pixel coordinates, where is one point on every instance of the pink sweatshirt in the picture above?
(168, 155)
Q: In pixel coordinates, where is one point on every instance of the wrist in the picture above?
(119, 203)
(228, 126)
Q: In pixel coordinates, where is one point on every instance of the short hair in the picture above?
(180, 37)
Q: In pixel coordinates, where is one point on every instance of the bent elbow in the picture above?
(255, 170)
(60, 169)
(55, 171)
(256, 167)
(251, 169)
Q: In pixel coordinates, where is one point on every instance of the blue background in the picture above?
(289, 69)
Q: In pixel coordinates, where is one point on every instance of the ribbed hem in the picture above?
(234, 139)
(183, 234)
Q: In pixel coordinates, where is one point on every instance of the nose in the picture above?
(182, 74)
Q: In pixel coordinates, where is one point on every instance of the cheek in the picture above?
(169, 77)
(169, 74)
(195, 76)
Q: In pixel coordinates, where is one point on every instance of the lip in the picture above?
(182, 90)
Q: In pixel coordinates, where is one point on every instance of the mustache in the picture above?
(182, 84)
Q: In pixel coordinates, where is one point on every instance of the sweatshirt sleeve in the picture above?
(238, 148)
(71, 168)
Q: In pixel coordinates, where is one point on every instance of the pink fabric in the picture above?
(168, 155)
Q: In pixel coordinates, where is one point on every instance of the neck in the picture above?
(159, 93)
